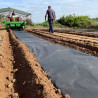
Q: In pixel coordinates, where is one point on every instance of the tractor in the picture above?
(18, 21)
(13, 23)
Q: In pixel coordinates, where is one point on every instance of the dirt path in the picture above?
(78, 37)
(20, 74)
(6, 67)
(85, 42)
(74, 32)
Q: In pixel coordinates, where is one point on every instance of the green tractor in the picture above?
(14, 24)
(18, 21)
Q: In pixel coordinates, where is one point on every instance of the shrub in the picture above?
(94, 24)
(46, 24)
(62, 20)
(75, 21)
(29, 21)
(33, 24)
(56, 24)
(95, 19)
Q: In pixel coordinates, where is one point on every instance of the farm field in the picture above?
(82, 41)
(20, 71)
(48, 49)
(20, 74)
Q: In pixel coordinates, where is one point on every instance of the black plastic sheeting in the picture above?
(73, 72)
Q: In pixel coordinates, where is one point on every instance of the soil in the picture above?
(6, 67)
(86, 42)
(21, 76)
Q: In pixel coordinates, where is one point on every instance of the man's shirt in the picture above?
(51, 14)
(13, 14)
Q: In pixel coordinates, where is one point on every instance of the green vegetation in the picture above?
(75, 21)
(46, 24)
(95, 19)
(94, 23)
(79, 21)
(71, 21)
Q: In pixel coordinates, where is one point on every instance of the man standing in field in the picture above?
(51, 16)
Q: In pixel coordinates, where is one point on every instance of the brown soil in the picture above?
(6, 67)
(81, 41)
(20, 74)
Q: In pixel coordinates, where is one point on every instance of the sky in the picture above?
(61, 7)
